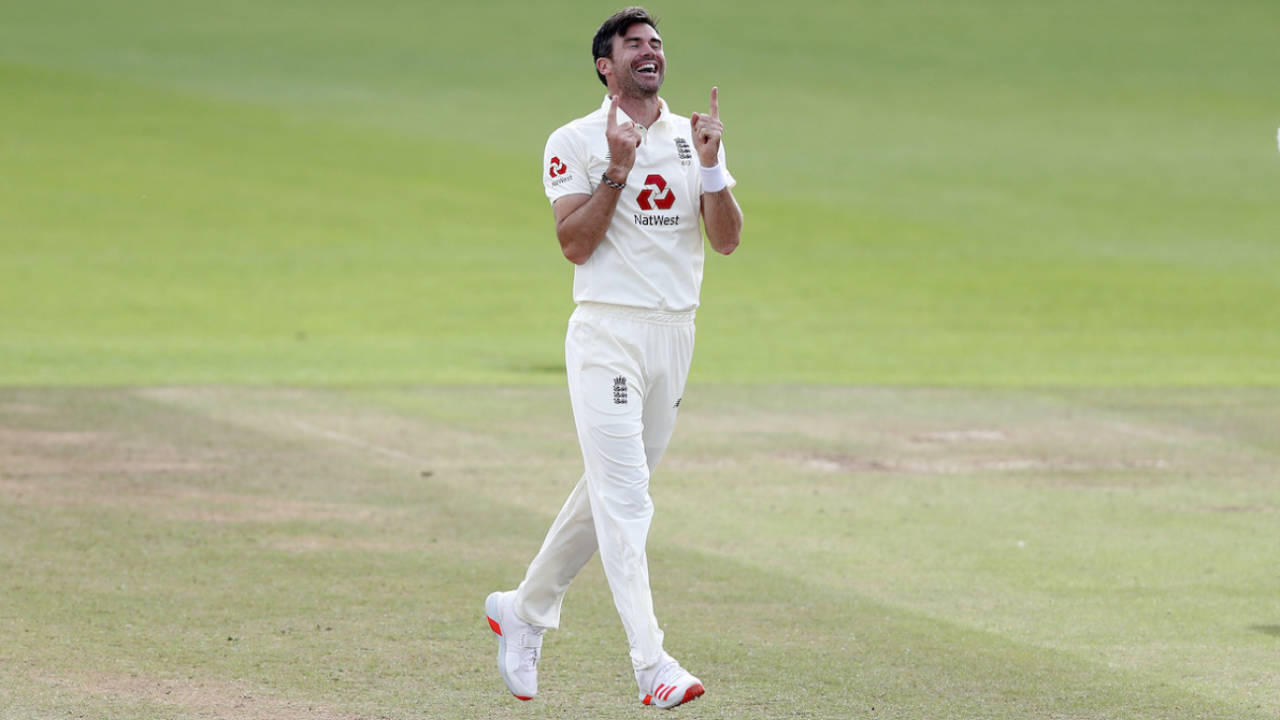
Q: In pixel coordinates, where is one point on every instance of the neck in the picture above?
(642, 110)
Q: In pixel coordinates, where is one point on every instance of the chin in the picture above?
(645, 89)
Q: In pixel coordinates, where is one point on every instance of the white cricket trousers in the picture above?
(627, 370)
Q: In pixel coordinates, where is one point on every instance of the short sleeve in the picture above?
(563, 170)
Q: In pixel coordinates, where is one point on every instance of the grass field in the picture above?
(817, 553)
(982, 421)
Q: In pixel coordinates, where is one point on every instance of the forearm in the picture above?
(581, 231)
(722, 219)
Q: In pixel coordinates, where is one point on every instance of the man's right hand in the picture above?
(623, 141)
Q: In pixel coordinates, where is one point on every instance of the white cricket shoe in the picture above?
(667, 685)
(519, 645)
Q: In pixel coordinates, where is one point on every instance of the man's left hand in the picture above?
(707, 130)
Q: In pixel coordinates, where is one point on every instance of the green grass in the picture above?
(984, 194)
(816, 553)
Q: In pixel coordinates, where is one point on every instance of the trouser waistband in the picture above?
(647, 315)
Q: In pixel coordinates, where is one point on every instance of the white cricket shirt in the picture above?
(652, 254)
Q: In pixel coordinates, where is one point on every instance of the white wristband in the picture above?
(713, 179)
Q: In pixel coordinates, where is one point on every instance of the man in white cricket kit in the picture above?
(628, 184)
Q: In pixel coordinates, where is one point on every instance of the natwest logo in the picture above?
(557, 167)
(656, 195)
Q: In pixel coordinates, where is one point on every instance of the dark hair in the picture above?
(617, 24)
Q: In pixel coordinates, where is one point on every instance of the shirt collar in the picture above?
(664, 114)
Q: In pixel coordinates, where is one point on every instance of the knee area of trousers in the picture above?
(623, 503)
(619, 447)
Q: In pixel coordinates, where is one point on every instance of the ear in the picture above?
(604, 66)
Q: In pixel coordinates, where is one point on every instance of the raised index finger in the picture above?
(612, 122)
(715, 103)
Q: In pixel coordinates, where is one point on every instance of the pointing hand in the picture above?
(623, 140)
(707, 130)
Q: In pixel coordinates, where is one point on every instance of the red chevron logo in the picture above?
(662, 199)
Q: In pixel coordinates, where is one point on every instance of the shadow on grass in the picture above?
(1272, 630)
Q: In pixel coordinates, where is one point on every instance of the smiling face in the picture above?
(636, 65)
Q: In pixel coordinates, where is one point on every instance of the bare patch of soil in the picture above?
(48, 438)
(201, 698)
(20, 408)
(1235, 509)
(961, 466)
(177, 502)
(953, 436)
(100, 469)
(47, 453)
(319, 543)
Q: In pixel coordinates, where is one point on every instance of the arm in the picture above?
(721, 216)
(581, 220)
(722, 219)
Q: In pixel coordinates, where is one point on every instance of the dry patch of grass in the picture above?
(194, 697)
(915, 466)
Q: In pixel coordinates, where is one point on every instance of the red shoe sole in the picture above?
(694, 692)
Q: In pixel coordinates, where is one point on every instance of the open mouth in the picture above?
(647, 68)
